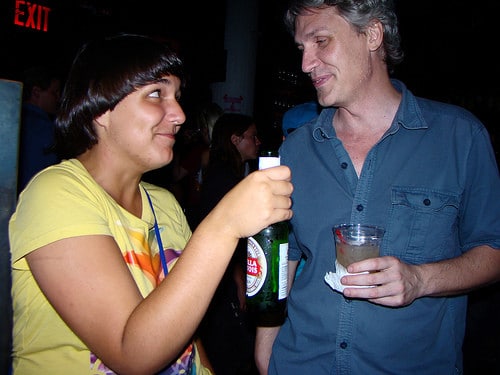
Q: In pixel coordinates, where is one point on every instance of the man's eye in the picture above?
(155, 94)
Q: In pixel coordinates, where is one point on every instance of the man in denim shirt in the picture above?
(423, 170)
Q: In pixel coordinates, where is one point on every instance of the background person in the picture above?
(293, 119)
(41, 94)
(227, 331)
(298, 115)
(423, 170)
(191, 161)
(106, 276)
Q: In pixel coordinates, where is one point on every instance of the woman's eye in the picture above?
(155, 94)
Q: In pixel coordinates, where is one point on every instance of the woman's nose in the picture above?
(177, 115)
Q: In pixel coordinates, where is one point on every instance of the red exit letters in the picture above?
(31, 15)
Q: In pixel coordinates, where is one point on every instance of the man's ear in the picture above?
(375, 35)
(235, 139)
(35, 92)
(103, 120)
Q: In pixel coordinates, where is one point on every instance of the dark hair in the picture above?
(222, 150)
(38, 76)
(103, 73)
(358, 13)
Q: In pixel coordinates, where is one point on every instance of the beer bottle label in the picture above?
(256, 267)
(283, 271)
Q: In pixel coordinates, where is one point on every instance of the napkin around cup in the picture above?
(333, 278)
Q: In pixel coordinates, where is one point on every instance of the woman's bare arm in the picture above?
(89, 285)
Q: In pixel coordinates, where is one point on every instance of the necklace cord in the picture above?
(158, 238)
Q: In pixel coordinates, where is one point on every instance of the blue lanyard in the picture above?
(158, 238)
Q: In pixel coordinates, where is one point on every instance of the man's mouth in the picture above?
(318, 81)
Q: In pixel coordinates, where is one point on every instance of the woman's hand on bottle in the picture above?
(260, 199)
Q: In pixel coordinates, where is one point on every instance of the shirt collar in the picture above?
(409, 116)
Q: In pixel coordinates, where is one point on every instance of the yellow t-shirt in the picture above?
(64, 201)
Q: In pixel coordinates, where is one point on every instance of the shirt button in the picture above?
(359, 207)
(343, 165)
(343, 345)
(427, 202)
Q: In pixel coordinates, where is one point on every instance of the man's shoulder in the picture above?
(32, 114)
(447, 112)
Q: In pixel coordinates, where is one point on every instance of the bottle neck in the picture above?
(268, 159)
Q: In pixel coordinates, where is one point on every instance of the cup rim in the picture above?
(368, 226)
(378, 231)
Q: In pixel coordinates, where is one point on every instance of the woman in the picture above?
(234, 143)
(226, 331)
(92, 293)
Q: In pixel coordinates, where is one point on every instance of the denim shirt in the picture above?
(432, 182)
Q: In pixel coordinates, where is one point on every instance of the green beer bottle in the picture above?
(267, 266)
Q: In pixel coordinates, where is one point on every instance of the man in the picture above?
(41, 92)
(423, 170)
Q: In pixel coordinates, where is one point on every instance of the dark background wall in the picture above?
(195, 31)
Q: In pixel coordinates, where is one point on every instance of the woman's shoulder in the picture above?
(69, 176)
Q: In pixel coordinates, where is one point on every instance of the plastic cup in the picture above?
(356, 242)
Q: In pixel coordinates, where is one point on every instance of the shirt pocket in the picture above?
(422, 225)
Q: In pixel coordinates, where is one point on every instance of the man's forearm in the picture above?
(263, 347)
(478, 267)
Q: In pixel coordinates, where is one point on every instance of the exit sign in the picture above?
(31, 15)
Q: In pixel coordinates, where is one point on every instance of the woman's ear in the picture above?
(235, 139)
(103, 120)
